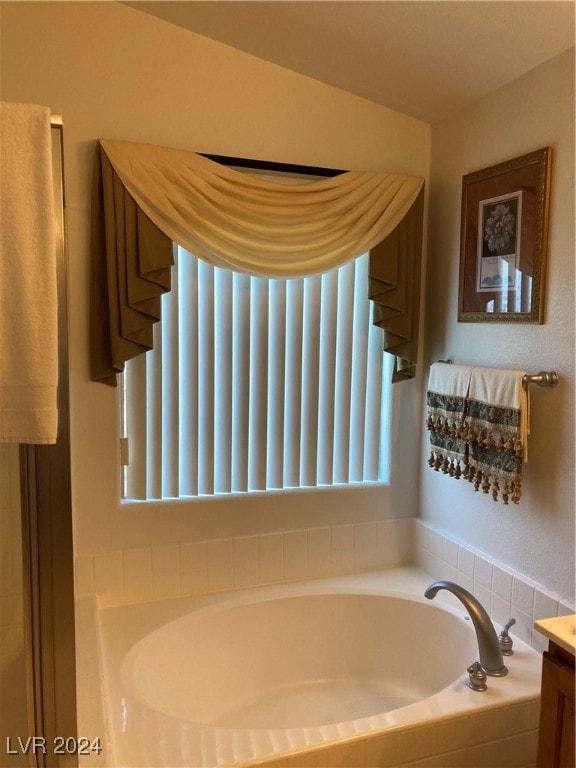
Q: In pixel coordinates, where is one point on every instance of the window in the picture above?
(258, 384)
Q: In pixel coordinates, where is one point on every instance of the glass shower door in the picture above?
(13, 709)
(37, 648)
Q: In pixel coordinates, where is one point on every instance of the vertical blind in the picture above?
(258, 384)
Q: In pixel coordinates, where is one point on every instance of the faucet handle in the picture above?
(477, 677)
(505, 640)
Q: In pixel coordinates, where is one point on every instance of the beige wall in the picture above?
(111, 71)
(537, 536)
(114, 72)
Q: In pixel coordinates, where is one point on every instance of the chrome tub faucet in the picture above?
(488, 646)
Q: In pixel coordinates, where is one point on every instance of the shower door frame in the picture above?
(48, 563)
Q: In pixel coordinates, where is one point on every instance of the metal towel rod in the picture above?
(543, 379)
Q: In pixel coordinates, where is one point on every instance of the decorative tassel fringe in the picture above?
(495, 480)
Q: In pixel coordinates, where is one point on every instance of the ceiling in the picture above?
(425, 58)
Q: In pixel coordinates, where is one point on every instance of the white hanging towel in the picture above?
(28, 290)
(498, 415)
(447, 394)
(504, 391)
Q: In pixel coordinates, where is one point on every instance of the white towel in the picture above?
(505, 390)
(448, 387)
(497, 413)
(478, 419)
(449, 379)
(28, 291)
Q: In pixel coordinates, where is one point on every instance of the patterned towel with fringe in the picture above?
(478, 420)
(448, 388)
(498, 425)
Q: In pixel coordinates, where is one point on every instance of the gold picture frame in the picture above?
(503, 242)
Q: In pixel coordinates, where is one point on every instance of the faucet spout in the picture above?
(488, 645)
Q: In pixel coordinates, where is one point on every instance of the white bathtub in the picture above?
(350, 665)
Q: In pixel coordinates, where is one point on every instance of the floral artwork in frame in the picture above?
(503, 241)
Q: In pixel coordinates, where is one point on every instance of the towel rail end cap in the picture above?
(543, 379)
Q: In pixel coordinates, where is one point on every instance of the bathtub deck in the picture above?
(142, 737)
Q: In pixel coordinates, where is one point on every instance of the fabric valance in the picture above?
(147, 197)
(394, 288)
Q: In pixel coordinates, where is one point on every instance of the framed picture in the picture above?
(504, 234)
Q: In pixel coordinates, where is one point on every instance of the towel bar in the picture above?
(543, 379)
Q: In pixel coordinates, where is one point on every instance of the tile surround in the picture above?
(503, 592)
(173, 570)
(148, 573)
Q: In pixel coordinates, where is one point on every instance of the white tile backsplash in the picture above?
(502, 583)
(318, 552)
(503, 592)
(564, 609)
(466, 562)
(151, 573)
(295, 556)
(450, 573)
(482, 572)
(220, 564)
(193, 580)
(342, 549)
(522, 595)
(271, 558)
(450, 552)
(365, 547)
(485, 596)
(138, 585)
(84, 575)
(545, 605)
(166, 571)
(435, 543)
(245, 553)
(138, 575)
(109, 576)
(501, 609)
(524, 625)
(421, 536)
(193, 568)
(391, 548)
(193, 554)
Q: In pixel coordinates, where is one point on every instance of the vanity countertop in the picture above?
(561, 630)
